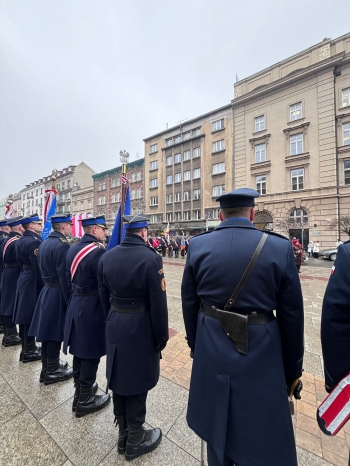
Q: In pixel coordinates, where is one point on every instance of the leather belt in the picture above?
(11, 265)
(253, 319)
(128, 310)
(27, 267)
(52, 285)
(90, 293)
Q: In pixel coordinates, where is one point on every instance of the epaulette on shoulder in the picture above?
(99, 245)
(276, 234)
(203, 233)
(63, 240)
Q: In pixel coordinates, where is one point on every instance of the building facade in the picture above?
(107, 191)
(33, 198)
(82, 200)
(292, 141)
(186, 168)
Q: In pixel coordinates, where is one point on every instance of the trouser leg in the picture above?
(136, 410)
(9, 323)
(88, 370)
(119, 409)
(27, 338)
(213, 460)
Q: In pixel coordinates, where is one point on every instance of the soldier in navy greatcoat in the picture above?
(9, 277)
(85, 327)
(246, 360)
(4, 232)
(132, 288)
(29, 285)
(335, 322)
(50, 311)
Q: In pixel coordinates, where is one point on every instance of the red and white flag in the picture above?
(77, 227)
(51, 194)
(125, 179)
(9, 213)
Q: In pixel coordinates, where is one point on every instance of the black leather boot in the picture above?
(57, 372)
(31, 352)
(142, 441)
(123, 433)
(88, 402)
(22, 351)
(77, 391)
(12, 338)
(2, 329)
(43, 367)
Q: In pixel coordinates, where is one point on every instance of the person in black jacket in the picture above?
(132, 289)
(4, 232)
(85, 327)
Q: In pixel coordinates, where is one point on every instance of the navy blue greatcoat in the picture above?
(9, 275)
(3, 237)
(335, 322)
(238, 403)
(50, 310)
(133, 273)
(85, 328)
(29, 283)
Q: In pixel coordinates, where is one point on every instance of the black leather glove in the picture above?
(161, 347)
(191, 354)
(295, 388)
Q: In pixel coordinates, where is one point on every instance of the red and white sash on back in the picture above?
(80, 256)
(8, 242)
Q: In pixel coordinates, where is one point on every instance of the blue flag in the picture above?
(47, 227)
(115, 238)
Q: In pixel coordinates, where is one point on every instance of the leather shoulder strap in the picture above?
(231, 302)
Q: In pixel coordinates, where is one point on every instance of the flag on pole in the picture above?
(167, 231)
(49, 210)
(115, 238)
(125, 180)
(77, 226)
(9, 213)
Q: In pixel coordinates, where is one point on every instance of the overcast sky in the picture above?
(82, 79)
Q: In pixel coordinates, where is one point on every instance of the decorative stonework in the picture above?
(324, 52)
(238, 91)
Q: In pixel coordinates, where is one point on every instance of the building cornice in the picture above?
(183, 142)
(117, 170)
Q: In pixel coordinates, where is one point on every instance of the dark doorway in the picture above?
(303, 238)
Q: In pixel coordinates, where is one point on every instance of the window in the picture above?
(41, 190)
(218, 190)
(36, 192)
(187, 155)
(196, 173)
(169, 217)
(82, 205)
(177, 138)
(296, 144)
(187, 175)
(169, 179)
(216, 213)
(196, 194)
(196, 152)
(295, 112)
(68, 196)
(153, 183)
(36, 202)
(153, 148)
(153, 165)
(168, 142)
(113, 183)
(154, 218)
(261, 184)
(219, 145)
(196, 215)
(138, 176)
(196, 132)
(217, 125)
(169, 161)
(118, 182)
(260, 153)
(114, 198)
(99, 188)
(133, 177)
(177, 158)
(177, 217)
(345, 95)
(89, 205)
(63, 185)
(169, 198)
(177, 178)
(153, 200)
(68, 184)
(186, 195)
(138, 193)
(297, 179)
(218, 168)
(118, 197)
(63, 197)
(177, 197)
(187, 215)
(133, 194)
(298, 216)
(347, 172)
(259, 123)
(346, 134)
(187, 135)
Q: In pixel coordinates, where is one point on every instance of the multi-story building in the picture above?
(74, 176)
(107, 191)
(3, 207)
(292, 141)
(33, 198)
(82, 200)
(186, 168)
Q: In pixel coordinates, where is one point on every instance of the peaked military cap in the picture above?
(12, 222)
(242, 197)
(99, 221)
(3, 222)
(61, 218)
(31, 219)
(135, 221)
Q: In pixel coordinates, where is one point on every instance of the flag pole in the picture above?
(124, 157)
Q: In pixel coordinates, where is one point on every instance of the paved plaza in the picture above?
(38, 427)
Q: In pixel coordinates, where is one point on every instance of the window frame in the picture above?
(293, 112)
(347, 97)
(218, 125)
(297, 177)
(345, 133)
(259, 121)
(196, 170)
(220, 166)
(261, 182)
(218, 146)
(296, 142)
(258, 150)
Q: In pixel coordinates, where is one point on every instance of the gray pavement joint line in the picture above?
(25, 406)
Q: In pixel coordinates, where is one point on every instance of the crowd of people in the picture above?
(242, 309)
